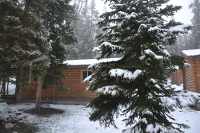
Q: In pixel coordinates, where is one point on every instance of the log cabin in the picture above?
(191, 74)
(77, 93)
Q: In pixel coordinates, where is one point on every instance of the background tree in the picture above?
(86, 30)
(23, 38)
(183, 42)
(30, 29)
(3, 8)
(58, 20)
(190, 40)
(136, 85)
(195, 6)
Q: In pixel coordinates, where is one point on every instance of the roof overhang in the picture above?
(87, 62)
(192, 53)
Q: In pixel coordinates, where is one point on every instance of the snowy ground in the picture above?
(75, 120)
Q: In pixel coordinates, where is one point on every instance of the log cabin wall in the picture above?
(77, 93)
(177, 77)
(77, 87)
(191, 75)
(189, 78)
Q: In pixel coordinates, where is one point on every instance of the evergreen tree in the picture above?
(195, 6)
(58, 20)
(136, 85)
(23, 38)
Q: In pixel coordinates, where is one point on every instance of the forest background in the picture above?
(88, 16)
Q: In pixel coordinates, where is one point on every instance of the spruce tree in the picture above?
(136, 85)
(58, 20)
(195, 6)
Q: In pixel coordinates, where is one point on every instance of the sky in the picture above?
(184, 15)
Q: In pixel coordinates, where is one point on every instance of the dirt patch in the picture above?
(45, 112)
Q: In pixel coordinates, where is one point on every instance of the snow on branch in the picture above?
(110, 90)
(106, 44)
(128, 16)
(164, 50)
(122, 13)
(154, 28)
(142, 27)
(125, 73)
(149, 52)
(179, 28)
(88, 78)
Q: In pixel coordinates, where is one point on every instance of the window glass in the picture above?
(89, 73)
(86, 74)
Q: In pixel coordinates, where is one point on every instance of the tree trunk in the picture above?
(18, 89)
(7, 86)
(38, 95)
(7, 90)
(27, 5)
(4, 87)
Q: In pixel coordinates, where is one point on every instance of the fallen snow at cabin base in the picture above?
(75, 119)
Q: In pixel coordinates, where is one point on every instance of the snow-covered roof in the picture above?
(191, 52)
(86, 62)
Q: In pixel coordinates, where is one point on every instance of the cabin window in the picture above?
(85, 74)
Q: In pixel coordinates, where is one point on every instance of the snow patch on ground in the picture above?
(3, 111)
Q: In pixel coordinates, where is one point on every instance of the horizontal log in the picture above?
(190, 82)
